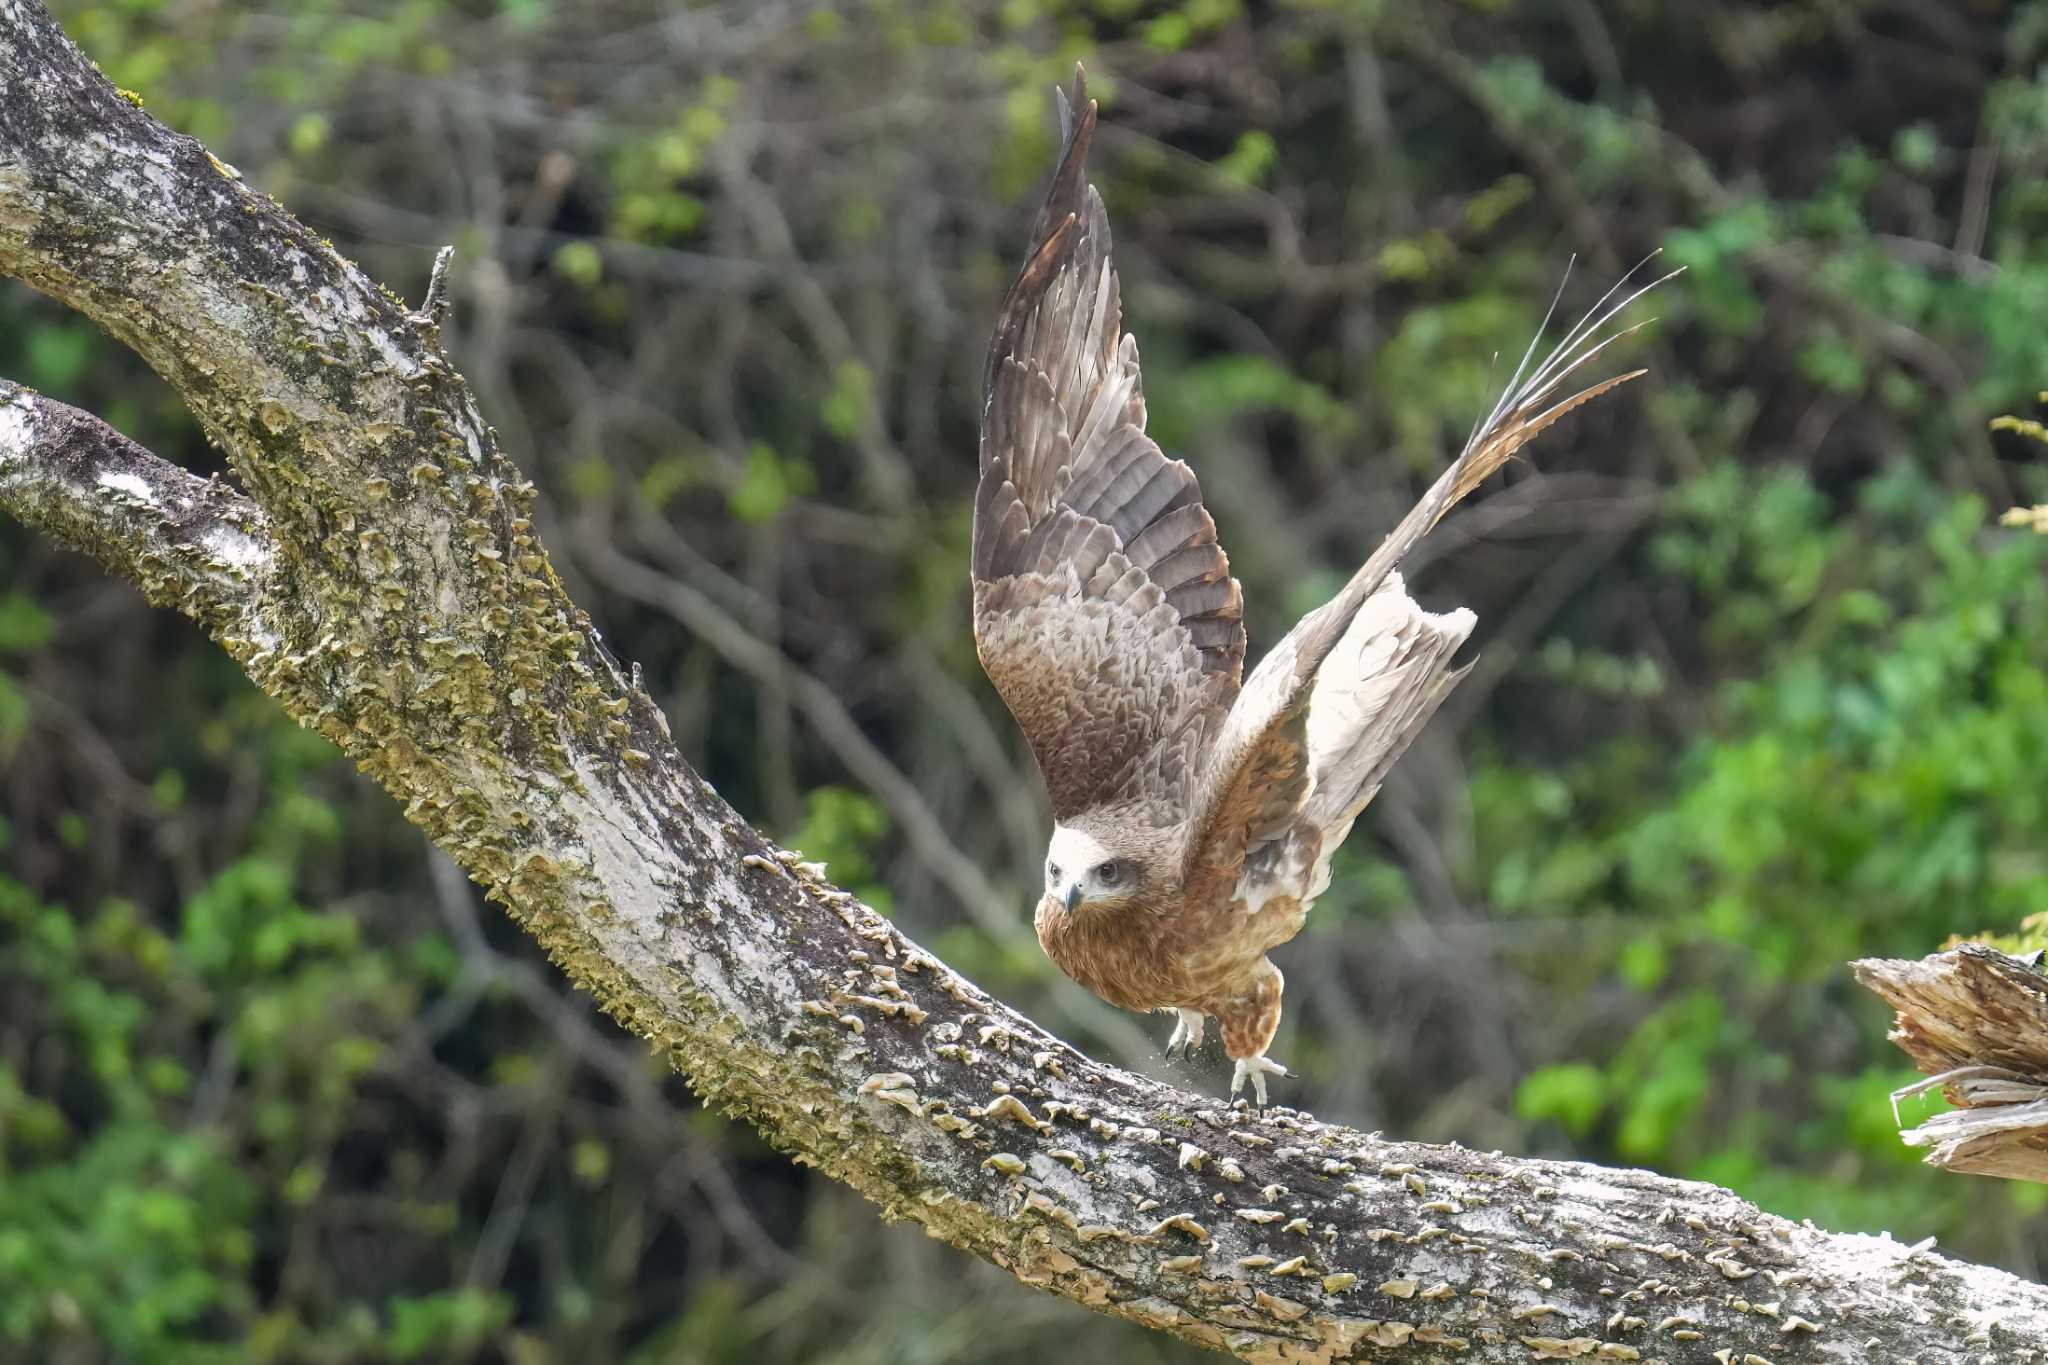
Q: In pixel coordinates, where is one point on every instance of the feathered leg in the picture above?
(1250, 1018)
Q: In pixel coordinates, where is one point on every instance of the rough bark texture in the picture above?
(1976, 1021)
(382, 581)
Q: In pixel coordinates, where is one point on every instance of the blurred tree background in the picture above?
(1758, 684)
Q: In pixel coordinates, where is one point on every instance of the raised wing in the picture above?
(1257, 777)
(1104, 609)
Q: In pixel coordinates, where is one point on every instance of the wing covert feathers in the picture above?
(1096, 566)
(1379, 686)
(1387, 676)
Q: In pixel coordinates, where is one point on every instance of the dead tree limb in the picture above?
(379, 576)
(1976, 1021)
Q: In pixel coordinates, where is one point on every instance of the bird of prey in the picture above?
(1196, 812)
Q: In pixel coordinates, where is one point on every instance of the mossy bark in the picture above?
(379, 576)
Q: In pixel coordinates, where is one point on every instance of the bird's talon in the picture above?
(1187, 1033)
(1255, 1070)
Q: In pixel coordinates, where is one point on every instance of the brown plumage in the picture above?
(1196, 811)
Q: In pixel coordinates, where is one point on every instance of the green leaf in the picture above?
(768, 484)
(579, 262)
(58, 354)
(846, 407)
(1248, 161)
(440, 1326)
(1572, 1094)
(24, 625)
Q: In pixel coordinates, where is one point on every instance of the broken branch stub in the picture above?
(1976, 1021)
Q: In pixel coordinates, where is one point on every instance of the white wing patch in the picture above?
(1372, 695)
(1366, 688)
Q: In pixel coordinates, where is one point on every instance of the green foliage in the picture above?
(1249, 160)
(767, 484)
(851, 401)
(450, 1326)
(131, 1226)
(1232, 386)
(1714, 256)
(1884, 759)
(1572, 1093)
(842, 829)
(24, 625)
(1187, 21)
(1442, 359)
(579, 262)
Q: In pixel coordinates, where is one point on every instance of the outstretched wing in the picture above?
(1104, 609)
(1255, 781)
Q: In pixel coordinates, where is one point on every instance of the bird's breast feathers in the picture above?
(1145, 951)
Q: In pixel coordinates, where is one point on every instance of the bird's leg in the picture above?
(1250, 1019)
(1187, 1032)
(1255, 1069)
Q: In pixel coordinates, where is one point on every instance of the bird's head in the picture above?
(1082, 871)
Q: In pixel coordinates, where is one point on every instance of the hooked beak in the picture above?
(1072, 897)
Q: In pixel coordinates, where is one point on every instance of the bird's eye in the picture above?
(1110, 874)
(1052, 872)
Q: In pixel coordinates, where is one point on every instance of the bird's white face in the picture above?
(1079, 870)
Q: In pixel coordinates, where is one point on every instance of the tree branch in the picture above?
(188, 543)
(425, 632)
